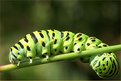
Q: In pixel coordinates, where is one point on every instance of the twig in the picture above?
(62, 57)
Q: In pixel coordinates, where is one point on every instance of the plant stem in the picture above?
(61, 57)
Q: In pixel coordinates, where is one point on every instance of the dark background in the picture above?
(99, 18)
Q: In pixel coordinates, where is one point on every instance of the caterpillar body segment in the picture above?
(79, 42)
(56, 41)
(42, 43)
(68, 39)
(92, 43)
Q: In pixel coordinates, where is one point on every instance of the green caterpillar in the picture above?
(46, 43)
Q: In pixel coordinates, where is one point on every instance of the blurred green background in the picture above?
(94, 18)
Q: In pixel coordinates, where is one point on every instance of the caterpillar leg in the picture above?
(30, 55)
(47, 57)
(30, 60)
(18, 63)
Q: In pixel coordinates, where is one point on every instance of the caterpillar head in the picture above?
(14, 55)
(105, 65)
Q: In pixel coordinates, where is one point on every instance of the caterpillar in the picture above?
(47, 43)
